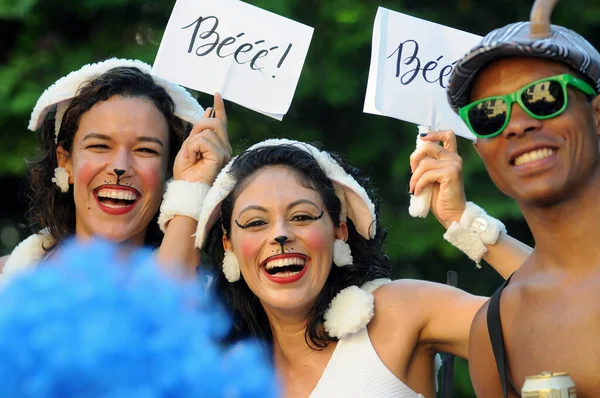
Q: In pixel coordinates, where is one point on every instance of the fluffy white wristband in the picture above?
(182, 198)
(475, 230)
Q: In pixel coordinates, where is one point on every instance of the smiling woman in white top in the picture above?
(303, 269)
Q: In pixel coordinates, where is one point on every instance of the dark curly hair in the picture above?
(55, 211)
(370, 262)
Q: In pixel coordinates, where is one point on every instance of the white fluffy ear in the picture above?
(342, 255)
(231, 267)
(61, 179)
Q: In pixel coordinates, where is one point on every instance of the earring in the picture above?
(342, 255)
(231, 267)
(61, 179)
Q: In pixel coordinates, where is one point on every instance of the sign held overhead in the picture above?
(411, 62)
(251, 56)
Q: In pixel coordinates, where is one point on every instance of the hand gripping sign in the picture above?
(411, 62)
(251, 56)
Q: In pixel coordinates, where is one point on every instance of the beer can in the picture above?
(548, 385)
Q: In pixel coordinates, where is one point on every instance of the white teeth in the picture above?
(113, 206)
(285, 274)
(117, 194)
(534, 155)
(284, 262)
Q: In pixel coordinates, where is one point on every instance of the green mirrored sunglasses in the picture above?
(542, 99)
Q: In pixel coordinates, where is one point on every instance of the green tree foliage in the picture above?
(44, 40)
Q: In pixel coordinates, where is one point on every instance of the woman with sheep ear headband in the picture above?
(295, 233)
(111, 136)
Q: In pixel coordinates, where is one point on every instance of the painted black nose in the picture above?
(119, 172)
(281, 239)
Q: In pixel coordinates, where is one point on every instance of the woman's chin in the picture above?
(119, 235)
(290, 302)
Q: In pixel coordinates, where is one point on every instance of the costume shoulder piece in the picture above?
(352, 309)
(26, 255)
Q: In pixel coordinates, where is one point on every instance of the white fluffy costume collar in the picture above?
(353, 307)
(26, 255)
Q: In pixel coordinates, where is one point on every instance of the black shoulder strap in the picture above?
(495, 331)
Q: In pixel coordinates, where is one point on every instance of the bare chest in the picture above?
(557, 331)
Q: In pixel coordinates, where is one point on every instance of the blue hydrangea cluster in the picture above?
(97, 320)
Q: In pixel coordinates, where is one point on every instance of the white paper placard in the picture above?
(251, 56)
(411, 62)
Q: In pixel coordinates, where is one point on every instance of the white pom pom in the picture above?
(231, 267)
(342, 254)
(61, 179)
(350, 310)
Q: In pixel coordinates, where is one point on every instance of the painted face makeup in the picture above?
(117, 166)
(283, 239)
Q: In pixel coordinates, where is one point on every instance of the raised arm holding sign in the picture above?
(411, 62)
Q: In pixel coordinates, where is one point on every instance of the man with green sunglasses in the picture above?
(533, 106)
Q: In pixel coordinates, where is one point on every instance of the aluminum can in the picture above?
(548, 385)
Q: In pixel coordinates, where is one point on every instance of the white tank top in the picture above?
(355, 370)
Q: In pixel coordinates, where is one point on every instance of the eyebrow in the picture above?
(302, 201)
(97, 135)
(109, 138)
(252, 207)
(149, 139)
(291, 205)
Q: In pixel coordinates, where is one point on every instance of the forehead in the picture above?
(124, 117)
(506, 75)
(274, 186)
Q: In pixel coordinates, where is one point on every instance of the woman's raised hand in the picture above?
(206, 150)
(441, 166)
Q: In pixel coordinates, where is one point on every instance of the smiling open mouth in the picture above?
(532, 156)
(116, 198)
(285, 267)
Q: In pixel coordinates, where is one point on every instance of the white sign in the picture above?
(411, 62)
(251, 56)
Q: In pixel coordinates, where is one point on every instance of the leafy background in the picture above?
(44, 40)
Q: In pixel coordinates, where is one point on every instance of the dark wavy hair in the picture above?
(370, 261)
(53, 210)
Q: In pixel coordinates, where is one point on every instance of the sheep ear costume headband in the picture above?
(65, 89)
(356, 204)
(353, 307)
(62, 92)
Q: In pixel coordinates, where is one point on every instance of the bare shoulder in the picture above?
(3, 261)
(418, 295)
(407, 303)
(407, 288)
